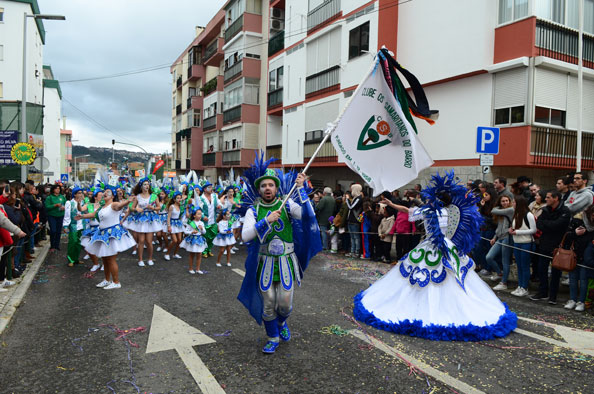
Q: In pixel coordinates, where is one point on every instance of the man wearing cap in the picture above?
(209, 204)
(278, 252)
(72, 226)
(324, 209)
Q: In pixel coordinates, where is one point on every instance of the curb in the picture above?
(10, 308)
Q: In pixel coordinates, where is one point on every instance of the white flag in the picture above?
(375, 139)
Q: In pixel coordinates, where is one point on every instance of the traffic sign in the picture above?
(487, 140)
(486, 160)
(64, 178)
(486, 169)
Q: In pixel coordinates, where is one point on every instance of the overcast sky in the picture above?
(106, 37)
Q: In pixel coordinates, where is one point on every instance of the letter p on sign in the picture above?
(487, 140)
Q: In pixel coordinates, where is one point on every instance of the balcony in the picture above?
(233, 29)
(557, 148)
(214, 53)
(233, 71)
(275, 98)
(209, 123)
(195, 72)
(211, 50)
(178, 83)
(232, 115)
(209, 87)
(209, 159)
(323, 81)
(561, 43)
(274, 151)
(232, 158)
(326, 11)
(276, 43)
(178, 109)
(326, 154)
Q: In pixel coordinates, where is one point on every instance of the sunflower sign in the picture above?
(23, 153)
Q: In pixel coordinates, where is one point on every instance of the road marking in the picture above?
(575, 339)
(169, 332)
(441, 376)
(238, 272)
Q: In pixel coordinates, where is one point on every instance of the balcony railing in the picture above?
(232, 115)
(276, 43)
(557, 148)
(233, 29)
(209, 123)
(232, 158)
(322, 80)
(179, 82)
(275, 98)
(209, 159)
(209, 87)
(233, 70)
(211, 50)
(322, 13)
(326, 153)
(561, 43)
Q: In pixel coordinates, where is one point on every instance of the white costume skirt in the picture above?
(85, 237)
(194, 243)
(437, 298)
(224, 239)
(176, 226)
(110, 241)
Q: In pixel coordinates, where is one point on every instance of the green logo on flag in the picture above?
(368, 134)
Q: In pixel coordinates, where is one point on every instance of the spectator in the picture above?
(55, 205)
(523, 227)
(384, 234)
(354, 205)
(500, 184)
(341, 223)
(366, 245)
(536, 209)
(582, 197)
(552, 222)
(488, 228)
(6, 228)
(534, 189)
(503, 214)
(524, 186)
(324, 209)
(338, 191)
(584, 250)
(403, 229)
(35, 206)
(562, 186)
(374, 241)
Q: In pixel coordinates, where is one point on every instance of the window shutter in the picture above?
(511, 87)
(550, 89)
(317, 116)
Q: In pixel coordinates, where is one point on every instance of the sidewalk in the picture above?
(10, 301)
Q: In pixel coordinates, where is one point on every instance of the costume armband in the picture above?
(303, 197)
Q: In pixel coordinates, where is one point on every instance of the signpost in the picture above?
(64, 178)
(487, 140)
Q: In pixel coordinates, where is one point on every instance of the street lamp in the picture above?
(24, 92)
(75, 171)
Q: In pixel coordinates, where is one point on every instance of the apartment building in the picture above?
(52, 121)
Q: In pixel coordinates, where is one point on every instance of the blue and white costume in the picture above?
(88, 232)
(175, 221)
(146, 221)
(111, 238)
(434, 292)
(225, 235)
(194, 242)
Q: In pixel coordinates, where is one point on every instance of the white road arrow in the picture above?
(169, 332)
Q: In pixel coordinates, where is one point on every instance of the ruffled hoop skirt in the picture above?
(145, 222)
(224, 240)
(194, 243)
(110, 241)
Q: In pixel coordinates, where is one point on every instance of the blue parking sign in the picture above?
(487, 140)
(64, 178)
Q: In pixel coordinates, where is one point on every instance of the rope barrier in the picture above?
(17, 247)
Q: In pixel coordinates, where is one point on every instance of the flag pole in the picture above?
(332, 126)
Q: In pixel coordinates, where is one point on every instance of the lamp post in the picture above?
(75, 171)
(24, 92)
(148, 163)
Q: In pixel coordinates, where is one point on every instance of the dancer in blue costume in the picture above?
(281, 240)
(434, 292)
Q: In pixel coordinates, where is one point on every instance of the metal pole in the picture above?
(578, 159)
(24, 96)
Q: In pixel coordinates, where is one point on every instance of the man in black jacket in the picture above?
(34, 205)
(553, 222)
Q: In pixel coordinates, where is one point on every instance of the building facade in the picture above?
(52, 121)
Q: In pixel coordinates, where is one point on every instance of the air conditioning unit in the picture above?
(277, 13)
(277, 25)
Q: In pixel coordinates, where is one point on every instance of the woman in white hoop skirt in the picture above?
(434, 292)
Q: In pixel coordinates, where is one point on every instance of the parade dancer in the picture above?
(110, 239)
(87, 233)
(175, 226)
(229, 203)
(146, 221)
(224, 239)
(281, 240)
(209, 203)
(194, 242)
(434, 291)
(73, 227)
(161, 205)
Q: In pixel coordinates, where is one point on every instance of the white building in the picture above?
(52, 121)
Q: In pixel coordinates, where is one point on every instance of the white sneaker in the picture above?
(102, 268)
(86, 257)
(103, 283)
(95, 267)
(484, 272)
(112, 286)
(500, 286)
(158, 248)
(565, 281)
(8, 283)
(516, 291)
(219, 265)
(494, 277)
(200, 272)
(165, 250)
(150, 262)
(166, 257)
(144, 246)
(232, 251)
(225, 252)
(580, 307)
(228, 264)
(177, 256)
(570, 304)
(192, 272)
(134, 252)
(141, 263)
(522, 293)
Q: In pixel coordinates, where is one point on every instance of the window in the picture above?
(566, 12)
(314, 136)
(196, 119)
(189, 148)
(1, 14)
(178, 150)
(1, 52)
(359, 40)
(1, 90)
(511, 10)
(555, 117)
(508, 116)
(275, 79)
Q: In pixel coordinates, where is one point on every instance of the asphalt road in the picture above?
(70, 337)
